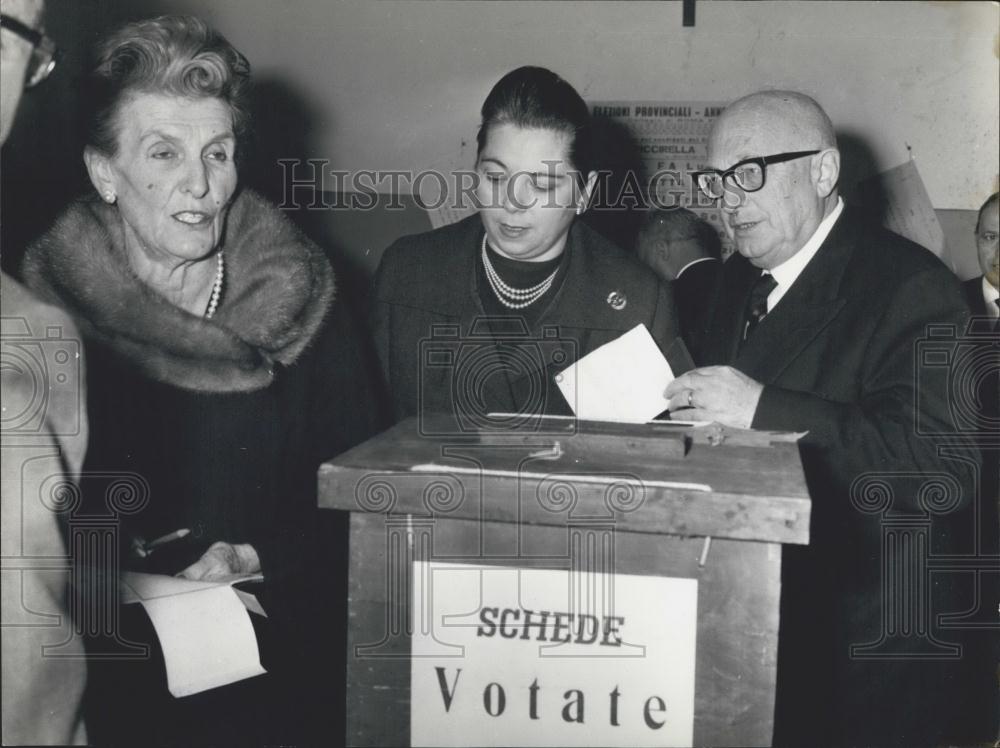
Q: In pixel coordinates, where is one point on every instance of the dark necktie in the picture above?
(757, 305)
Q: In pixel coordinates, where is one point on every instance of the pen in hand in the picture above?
(143, 549)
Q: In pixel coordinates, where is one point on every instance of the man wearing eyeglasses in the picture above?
(815, 327)
(28, 56)
(43, 439)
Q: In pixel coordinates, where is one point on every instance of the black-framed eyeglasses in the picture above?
(748, 174)
(44, 53)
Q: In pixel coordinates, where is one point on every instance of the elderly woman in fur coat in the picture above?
(222, 369)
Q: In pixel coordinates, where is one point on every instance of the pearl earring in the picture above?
(109, 197)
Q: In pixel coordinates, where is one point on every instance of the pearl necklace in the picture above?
(510, 297)
(213, 301)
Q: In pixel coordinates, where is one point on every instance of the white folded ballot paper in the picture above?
(203, 628)
(621, 381)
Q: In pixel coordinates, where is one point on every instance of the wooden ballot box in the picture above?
(567, 583)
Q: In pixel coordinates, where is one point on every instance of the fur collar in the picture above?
(278, 289)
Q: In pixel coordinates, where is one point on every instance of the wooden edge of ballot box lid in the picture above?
(649, 478)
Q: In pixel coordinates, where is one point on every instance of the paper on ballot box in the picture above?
(621, 381)
(203, 627)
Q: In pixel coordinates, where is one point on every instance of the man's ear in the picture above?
(826, 171)
(101, 174)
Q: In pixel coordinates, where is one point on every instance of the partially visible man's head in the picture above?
(669, 240)
(987, 233)
(15, 53)
(770, 225)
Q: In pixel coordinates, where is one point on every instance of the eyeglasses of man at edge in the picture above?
(44, 53)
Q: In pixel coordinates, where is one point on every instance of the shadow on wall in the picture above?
(857, 163)
(616, 153)
(285, 125)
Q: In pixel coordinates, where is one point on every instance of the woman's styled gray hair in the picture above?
(171, 55)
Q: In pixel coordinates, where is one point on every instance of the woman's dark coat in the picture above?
(216, 426)
(427, 302)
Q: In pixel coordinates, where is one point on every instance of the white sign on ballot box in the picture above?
(505, 656)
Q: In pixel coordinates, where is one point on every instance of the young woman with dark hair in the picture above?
(523, 287)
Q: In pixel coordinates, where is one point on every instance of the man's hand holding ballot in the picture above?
(715, 393)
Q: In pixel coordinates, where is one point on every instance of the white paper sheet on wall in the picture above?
(906, 206)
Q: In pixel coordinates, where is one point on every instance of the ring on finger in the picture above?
(690, 398)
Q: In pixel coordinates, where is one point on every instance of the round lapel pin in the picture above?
(617, 300)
